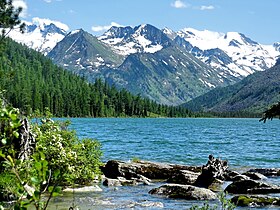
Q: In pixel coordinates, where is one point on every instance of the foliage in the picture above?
(224, 204)
(78, 159)
(272, 112)
(60, 158)
(9, 17)
(36, 83)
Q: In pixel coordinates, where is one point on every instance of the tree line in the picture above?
(32, 82)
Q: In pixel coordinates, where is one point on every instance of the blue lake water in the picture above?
(245, 143)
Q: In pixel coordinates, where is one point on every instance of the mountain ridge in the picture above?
(255, 93)
(176, 56)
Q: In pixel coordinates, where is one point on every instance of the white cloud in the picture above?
(23, 5)
(44, 21)
(104, 28)
(210, 7)
(179, 4)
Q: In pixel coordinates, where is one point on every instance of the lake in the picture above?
(245, 143)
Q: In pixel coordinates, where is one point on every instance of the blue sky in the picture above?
(258, 19)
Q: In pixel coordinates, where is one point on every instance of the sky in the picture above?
(257, 19)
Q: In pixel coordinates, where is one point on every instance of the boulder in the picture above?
(230, 175)
(111, 182)
(254, 175)
(266, 171)
(251, 187)
(183, 177)
(255, 201)
(188, 192)
(215, 168)
(121, 181)
(240, 177)
(151, 170)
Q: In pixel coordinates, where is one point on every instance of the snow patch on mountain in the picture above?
(232, 51)
(128, 40)
(41, 34)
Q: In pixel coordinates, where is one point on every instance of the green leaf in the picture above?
(50, 189)
(38, 166)
(4, 141)
(35, 180)
(36, 195)
(15, 134)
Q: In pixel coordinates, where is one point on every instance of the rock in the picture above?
(151, 170)
(229, 175)
(183, 177)
(254, 175)
(215, 168)
(144, 180)
(188, 192)
(251, 186)
(111, 182)
(240, 177)
(266, 171)
(93, 188)
(254, 201)
(121, 181)
(146, 205)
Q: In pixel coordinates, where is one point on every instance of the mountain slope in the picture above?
(32, 82)
(254, 94)
(169, 76)
(80, 50)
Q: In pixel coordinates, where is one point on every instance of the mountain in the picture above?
(143, 38)
(166, 66)
(41, 34)
(233, 53)
(80, 50)
(36, 84)
(255, 93)
(158, 68)
(169, 76)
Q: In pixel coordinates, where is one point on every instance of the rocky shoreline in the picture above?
(196, 183)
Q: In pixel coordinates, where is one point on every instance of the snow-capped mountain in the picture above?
(80, 50)
(143, 38)
(41, 34)
(232, 52)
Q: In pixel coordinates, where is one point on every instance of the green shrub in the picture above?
(59, 158)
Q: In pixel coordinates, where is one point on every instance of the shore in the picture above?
(143, 184)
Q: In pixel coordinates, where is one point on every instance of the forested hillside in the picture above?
(253, 94)
(32, 82)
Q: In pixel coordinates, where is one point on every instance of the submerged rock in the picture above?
(254, 175)
(188, 192)
(93, 188)
(251, 187)
(266, 171)
(255, 201)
